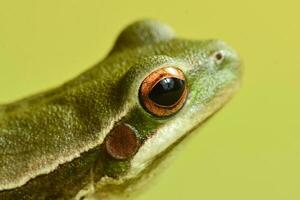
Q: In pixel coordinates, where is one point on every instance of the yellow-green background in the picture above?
(250, 150)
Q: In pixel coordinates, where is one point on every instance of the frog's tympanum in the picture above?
(102, 134)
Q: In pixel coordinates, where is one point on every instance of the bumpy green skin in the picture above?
(51, 143)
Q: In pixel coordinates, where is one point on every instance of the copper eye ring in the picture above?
(164, 91)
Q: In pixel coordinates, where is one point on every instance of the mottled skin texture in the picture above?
(51, 143)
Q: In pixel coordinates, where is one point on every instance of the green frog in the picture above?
(103, 134)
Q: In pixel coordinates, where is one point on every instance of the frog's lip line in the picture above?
(163, 140)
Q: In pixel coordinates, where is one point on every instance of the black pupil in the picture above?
(167, 91)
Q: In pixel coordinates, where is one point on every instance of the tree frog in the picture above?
(102, 134)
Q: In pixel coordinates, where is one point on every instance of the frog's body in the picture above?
(52, 144)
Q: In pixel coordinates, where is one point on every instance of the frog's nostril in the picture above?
(219, 56)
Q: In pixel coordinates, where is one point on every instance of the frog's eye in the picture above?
(218, 56)
(164, 91)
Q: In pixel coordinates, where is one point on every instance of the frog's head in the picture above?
(171, 87)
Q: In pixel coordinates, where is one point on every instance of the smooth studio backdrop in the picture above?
(250, 150)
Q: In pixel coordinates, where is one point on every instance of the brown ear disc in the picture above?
(122, 142)
(164, 91)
